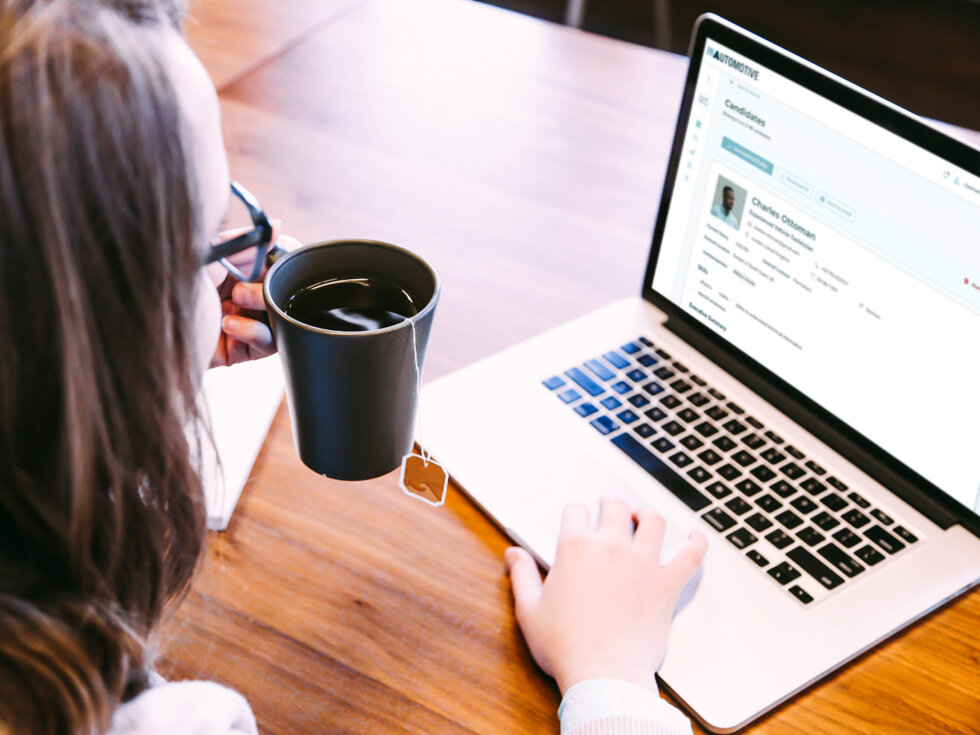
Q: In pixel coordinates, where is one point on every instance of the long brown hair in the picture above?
(101, 514)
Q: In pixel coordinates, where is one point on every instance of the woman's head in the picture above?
(112, 175)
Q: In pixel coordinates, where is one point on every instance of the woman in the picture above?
(113, 185)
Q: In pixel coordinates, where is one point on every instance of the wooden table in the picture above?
(524, 160)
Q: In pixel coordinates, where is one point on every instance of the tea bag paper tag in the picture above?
(423, 478)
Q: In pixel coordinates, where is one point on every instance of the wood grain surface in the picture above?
(524, 160)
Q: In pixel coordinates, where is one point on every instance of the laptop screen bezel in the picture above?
(860, 102)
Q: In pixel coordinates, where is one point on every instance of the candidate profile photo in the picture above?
(728, 202)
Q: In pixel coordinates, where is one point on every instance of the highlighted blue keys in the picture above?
(553, 383)
(569, 395)
(584, 382)
(604, 424)
(600, 370)
(585, 409)
(616, 360)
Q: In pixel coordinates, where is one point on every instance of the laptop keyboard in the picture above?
(806, 529)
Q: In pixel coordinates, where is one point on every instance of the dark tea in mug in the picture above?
(351, 304)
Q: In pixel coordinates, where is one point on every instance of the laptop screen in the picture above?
(839, 255)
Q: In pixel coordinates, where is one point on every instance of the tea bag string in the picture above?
(418, 396)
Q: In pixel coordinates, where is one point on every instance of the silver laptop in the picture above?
(797, 379)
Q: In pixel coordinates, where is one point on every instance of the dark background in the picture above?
(921, 54)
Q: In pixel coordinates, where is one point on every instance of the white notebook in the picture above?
(241, 402)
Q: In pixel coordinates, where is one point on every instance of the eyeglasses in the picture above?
(251, 248)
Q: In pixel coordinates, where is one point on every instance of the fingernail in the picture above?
(229, 324)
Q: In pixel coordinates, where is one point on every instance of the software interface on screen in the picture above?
(837, 254)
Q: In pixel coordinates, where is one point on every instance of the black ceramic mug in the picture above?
(352, 394)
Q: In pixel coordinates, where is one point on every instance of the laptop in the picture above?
(797, 378)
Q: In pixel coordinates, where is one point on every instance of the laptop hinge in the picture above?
(922, 501)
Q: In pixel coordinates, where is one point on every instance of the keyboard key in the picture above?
(789, 519)
(757, 557)
(673, 428)
(681, 488)
(810, 536)
(716, 412)
(847, 537)
(610, 402)
(697, 380)
(653, 388)
(782, 488)
(794, 452)
(859, 500)
(747, 487)
(681, 459)
(784, 573)
(585, 409)
(778, 539)
(869, 555)
(840, 560)
(706, 429)
(719, 519)
(815, 568)
(688, 415)
(905, 534)
(627, 416)
(753, 441)
(884, 539)
(882, 517)
(741, 538)
(804, 505)
(724, 443)
(664, 372)
(621, 386)
(655, 414)
(768, 503)
(738, 506)
(569, 395)
(644, 430)
(663, 444)
(813, 486)
(710, 457)
(616, 360)
(698, 399)
(692, 442)
(638, 401)
(758, 521)
(681, 368)
(553, 383)
(815, 468)
(636, 375)
(670, 401)
(681, 386)
(773, 436)
(835, 483)
(665, 355)
(729, 471)
(630, 348)
(762, 473)
(735, 408)
(734, 427)
(754, 422)
(599, 370)
(833, 501)
(825, 521)
(647, 360)
(645, 341)
(856, 518)
(604, 424)
(801, 594)
(717, 394)
(718, 489)
(773, 455)
(743, 458)
(792, 470)
(699, 474)
(585, 382)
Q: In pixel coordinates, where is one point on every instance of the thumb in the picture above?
(525, 580)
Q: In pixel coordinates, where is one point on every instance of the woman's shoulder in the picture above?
(185, 708)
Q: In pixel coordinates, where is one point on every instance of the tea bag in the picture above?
(421, 476)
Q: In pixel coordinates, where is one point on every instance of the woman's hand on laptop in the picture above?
(605, 608)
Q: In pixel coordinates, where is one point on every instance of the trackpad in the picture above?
(536, 518)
